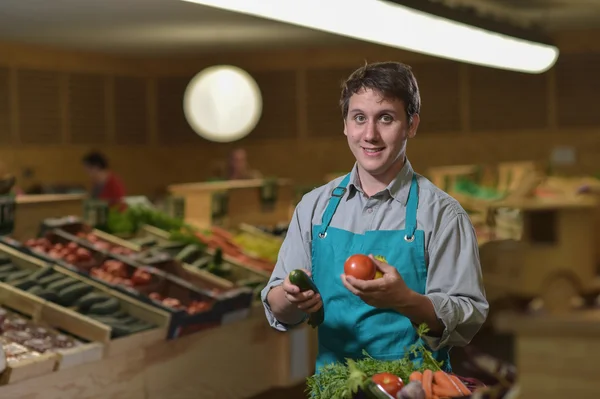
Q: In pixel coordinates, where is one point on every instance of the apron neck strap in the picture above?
(336, 196)
(411, 208)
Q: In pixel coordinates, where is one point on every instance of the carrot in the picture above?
(427, 383)
(444, 381)
(416, 376)
(462, 387)
(444, 392)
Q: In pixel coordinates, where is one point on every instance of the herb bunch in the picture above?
(342, 381)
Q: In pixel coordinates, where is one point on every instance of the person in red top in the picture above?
(106, 185)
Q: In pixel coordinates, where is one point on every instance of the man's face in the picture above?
(377, 130)
(239, 160)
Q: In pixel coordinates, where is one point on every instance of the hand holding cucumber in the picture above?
(299, 293)
(302, 292)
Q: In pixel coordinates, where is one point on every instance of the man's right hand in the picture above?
(307, 301)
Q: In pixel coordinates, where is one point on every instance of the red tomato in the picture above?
(360, 267)
(390, 383)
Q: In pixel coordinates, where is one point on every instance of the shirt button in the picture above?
(369, 210)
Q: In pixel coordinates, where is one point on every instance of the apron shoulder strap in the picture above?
(411, 209)
(336, 196)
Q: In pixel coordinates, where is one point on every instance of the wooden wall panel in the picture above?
(131, 111)
(324, 88)
(173, 128)
(54, 101)
(503, 100)
(578, 85)
(87, 109)
(279, 94)
(5, 126)
(40, 112)
(440, 99)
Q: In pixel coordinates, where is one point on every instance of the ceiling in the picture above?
(143, 27)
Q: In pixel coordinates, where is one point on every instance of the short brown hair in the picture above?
(393, 79)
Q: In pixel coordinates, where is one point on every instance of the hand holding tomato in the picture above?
(307, 301)
(389, 291)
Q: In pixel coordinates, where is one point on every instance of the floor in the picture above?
(500, 346)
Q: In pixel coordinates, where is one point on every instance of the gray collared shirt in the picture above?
(454, 279)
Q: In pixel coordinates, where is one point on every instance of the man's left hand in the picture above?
(389, 291)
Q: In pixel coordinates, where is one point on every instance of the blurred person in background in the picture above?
(7, 181)
(238, 168)
(106, 185)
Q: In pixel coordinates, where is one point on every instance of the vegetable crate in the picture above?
(119, 321)
(104, 267)
(38, 339)
(190, 308)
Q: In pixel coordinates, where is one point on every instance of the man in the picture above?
(432, 272)
(106, 185)
(238, 168)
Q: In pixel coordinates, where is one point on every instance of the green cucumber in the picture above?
(4, 275)
(86, 301)
(8, 268)
(61, 284)
(41, 273)
(22, 284)
(109, 306)
(35, 290)
(300, 279)
(48, 295)
(51, 279)
(73, 292)
(15, 276)
(120, 314)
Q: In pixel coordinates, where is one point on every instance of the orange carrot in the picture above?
(462, 387)
(416, 376)
(427, 384)
(444, 392)
(444, 381)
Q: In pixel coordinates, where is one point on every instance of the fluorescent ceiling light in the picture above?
(402, 27)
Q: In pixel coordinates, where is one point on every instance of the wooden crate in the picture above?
(41, 311)
(86, 325)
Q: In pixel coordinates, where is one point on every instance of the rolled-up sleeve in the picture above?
(455, 283)
(294, 254)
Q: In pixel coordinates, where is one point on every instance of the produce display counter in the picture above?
(556, 355)
(237, 360)
(143, 322)
(32, 209)
(229, 203)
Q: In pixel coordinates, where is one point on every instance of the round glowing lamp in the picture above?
(222, 103)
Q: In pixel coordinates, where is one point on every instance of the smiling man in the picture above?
(382, 208)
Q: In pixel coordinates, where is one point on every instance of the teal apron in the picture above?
(351, 325)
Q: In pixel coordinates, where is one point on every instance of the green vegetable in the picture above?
(17, 275)
(86, 301)
(65, 282)
(305, 283)
(109, 306)
(72, 293)
(4, 260)
(51, 279)
(41, 273)
(8, 268)
(22, 284)
(342, 381)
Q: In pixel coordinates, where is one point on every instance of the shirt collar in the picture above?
(398, 188)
